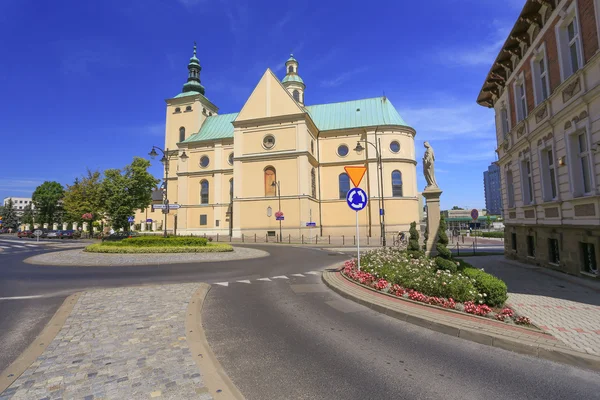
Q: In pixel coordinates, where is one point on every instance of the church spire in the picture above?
(292, 81)
(193, 82)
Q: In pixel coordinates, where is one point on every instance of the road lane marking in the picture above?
(312, 273)
(222, 283)
(280, 277)
(298, 275)
(244, 281)
(19, 246)
(22, 297)
(264, 279)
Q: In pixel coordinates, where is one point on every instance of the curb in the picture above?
(529, 348)
(216, 380)
(39, 345)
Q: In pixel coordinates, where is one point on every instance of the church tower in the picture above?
(193, 82)
(292, 81)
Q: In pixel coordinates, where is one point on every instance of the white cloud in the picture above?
(338, 80)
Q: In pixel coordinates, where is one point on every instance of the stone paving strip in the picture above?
(79, 258)
(478, 329)
(125, 343)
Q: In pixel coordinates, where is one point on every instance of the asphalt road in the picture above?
(292, 338)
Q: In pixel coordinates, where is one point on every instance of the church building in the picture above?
(279, 156)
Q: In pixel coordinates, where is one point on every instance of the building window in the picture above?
(569, 44)
(573, 36)
(588, 255)
(188, 108)
(313, 183)
(526, 180)
(342, 150)
(554, 252)
(270, 178)
(344, 184)
(396, 184)
(204, 192)
(269, 141)
(395, 146)
(312, 147)
(540, 78)
(231, 190)
(290, 69)
(217, 222)
(530, 245)
(203, 219)
(504, 118)
(204, 161)
(513, 241)
(177, 110)
(520, 99)
(580, 167)
(181, 134)
(230, 159)
(510, 189)
(296, 95)
(548, 174)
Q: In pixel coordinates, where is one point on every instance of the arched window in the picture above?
(231, 190)
(290, 69)
(396, 184)
(313, 182)
(270, 178)
(296, 95)
(204, 192)
(344, 185)
(181, 134)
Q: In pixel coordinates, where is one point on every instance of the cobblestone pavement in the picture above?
(79, 258)
(565, 306)
(127, 343)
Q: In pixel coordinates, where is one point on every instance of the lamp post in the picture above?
(359, 148)
(277, 186)
(166, 156)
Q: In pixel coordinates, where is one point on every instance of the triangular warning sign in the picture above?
(356, 174)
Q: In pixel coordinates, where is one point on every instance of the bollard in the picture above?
(354, 239)
(473, 248)
(343, 240)
(230, 238)
(242, 238)
(217, 238)
(302, 238)
(457, 248)
(329, 239)
(316, 239)
(367, 240)
(463, 238)
(267, 238)
(255, 238)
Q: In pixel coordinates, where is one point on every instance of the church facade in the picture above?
(279, 155)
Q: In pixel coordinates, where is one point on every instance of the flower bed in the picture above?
(419, 279)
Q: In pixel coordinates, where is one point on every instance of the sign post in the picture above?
(475, 216)
(37, 233)
(357, 200)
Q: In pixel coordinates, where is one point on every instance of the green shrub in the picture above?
(212, 248)
(442, 240)
(413, 241)
(462, 264)
(494, 288)
(446, 265)
(159, 241)
(493, 234)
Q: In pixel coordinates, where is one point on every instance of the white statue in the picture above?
(428, 171)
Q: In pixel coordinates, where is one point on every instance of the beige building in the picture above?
(236, 163)
(545, 89)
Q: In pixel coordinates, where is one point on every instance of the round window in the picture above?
(204, 160)
(395, 146)
(230, 160)
(269, 141)
(342, 150)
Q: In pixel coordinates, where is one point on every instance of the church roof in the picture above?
(345, 115)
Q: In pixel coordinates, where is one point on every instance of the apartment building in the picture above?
(545, 89)
(492, 190)
(19, 203)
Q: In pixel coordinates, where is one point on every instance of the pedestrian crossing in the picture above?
(267, 279)
(9, 246)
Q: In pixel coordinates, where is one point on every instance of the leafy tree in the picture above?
(488, 221)
(47, 200)
(127, 190)
(9, 215)
(84, 197)
(28, 215)
(442, 241)
(457, 208)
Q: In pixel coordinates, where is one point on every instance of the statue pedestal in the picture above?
(64, 226)
(432, 197)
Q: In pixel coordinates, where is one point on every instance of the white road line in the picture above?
(21, 297)
(298, 275)
(244, 281)
(312, 273)
(5, 247)
(264, 279)
(20, 247)
(222, 283)
(280, 277)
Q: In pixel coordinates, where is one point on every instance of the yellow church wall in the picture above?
(285, 139)
(190, 120)
(251, 176)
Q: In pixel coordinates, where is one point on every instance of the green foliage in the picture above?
(442, 241)
(494, 288)
(457, 208)
(83, 197)
(28, 215)
(209, 248)
(46, 198)
(446, 265)
(159, 241)
(413, 240)
(9, 215)
(127, 190)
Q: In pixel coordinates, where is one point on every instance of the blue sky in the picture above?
(83, 83)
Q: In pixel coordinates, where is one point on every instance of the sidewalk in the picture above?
(126, 343)
(568, 307)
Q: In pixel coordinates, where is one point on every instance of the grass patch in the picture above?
(208, 248)
(158, 241)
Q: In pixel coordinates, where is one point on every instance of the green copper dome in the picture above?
(292, 78)
(291, 59)
(193, 82)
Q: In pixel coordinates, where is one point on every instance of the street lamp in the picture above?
(165, 160)
(359, 148)
(277, 186)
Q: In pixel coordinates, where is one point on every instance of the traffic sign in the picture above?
(356, 174)
(356, 199)
(474, 214)
(311, 224)
(130, 219)
(149, 220)
(37, 233)
(281, 218)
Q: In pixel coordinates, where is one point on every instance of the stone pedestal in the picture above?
(432, 197)
(74, 226)
(95, 228)
(132, 227)
(36, 226)
(45, 226)
(85, 227)
(55, 226)
(153, 226)
(27, 227)
(144, 226)
(64, 228)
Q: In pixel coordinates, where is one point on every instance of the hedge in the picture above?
(489, 234)
(445, 264)
(209, 248)
(485, 283)
(158, 241)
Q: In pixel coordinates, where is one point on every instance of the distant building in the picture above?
(19, 203)
(493, 190)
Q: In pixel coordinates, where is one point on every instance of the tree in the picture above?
(442, 241)
(47, 200)
(127, 190)
(457, 208)
(9, 215)
(84, 197)
(413, 240)
(28, 215)
(488, 221)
